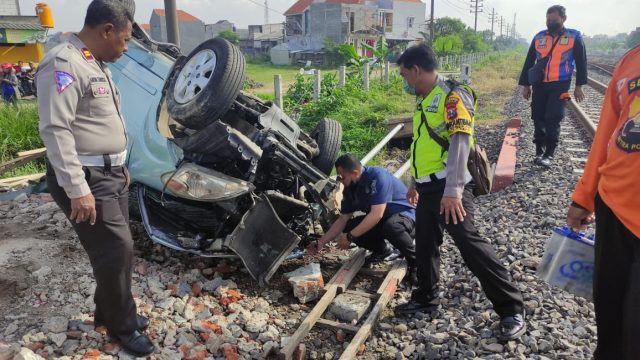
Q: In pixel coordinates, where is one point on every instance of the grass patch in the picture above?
(19, 132)
(494, 79)
(264, 72)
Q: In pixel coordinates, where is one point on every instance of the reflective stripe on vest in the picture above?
(427, 156)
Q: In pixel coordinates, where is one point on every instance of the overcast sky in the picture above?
(590, 16)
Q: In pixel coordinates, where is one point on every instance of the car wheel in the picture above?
(328, 135)
(207, 84)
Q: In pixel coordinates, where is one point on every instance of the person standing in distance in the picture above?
(83, 130)
(562, 49)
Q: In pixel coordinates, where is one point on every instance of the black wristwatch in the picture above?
(350, 237)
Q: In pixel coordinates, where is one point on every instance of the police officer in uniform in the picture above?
(442, 190)
(82, 127)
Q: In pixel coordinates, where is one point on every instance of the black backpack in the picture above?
(478, 163)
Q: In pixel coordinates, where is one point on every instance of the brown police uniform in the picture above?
(84, 132)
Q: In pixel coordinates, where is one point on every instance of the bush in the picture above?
(18, 130)
(362, 114)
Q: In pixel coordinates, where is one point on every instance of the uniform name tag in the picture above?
(564, 40)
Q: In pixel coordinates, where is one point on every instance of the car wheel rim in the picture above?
(194, 76)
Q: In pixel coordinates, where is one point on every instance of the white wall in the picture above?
(403, 10)
(9, 8)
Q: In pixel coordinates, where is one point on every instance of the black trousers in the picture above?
(616, 287)
(397, 229)
(108, 244)
(547, 111)
(477, 252)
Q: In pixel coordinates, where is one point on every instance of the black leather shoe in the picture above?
(413, 307)
(143, 322)
(512, 327)
(411, 277)
(136, 343)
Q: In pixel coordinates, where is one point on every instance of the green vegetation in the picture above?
(633, 39)
(453, 37)
(230, 36)
(19, 132)
(494, 79)
(362, 114)
(263, 73)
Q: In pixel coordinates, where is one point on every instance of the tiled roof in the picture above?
(299, 7)
(20, 26)
(182, 15)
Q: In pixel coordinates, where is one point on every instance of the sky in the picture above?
(588, 16)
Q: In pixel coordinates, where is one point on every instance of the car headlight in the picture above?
(195, 182)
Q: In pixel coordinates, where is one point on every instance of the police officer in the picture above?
(443, 127)
(564, 49)
(82, 127)
(382, 197)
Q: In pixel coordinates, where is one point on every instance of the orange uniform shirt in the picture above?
(613, 168)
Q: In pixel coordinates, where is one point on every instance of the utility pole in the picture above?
(476, 7)
(501, 24)
(506, 30)
(171, 18)
(493, 19)
(513, 29)
(266, 12)
(431, 30)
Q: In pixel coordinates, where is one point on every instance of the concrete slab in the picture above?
(348, 308)
(506, 166)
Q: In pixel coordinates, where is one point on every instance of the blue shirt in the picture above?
(377, 186)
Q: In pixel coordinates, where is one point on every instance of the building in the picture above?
(356, 22)
(21, 37)
(212, 30)
(191, 29)
(258, 40)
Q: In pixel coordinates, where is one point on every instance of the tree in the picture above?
(448, 45)
(633, 39)
(230, 36)
(446, 26)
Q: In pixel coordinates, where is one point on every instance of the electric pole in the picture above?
(493, 19)
(501, 24)
(513, 29)
(171, 18)
(431, 24)
(476, 7)
(266, 12)
(506, 30)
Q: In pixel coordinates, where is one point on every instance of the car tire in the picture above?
(195, 103)
(328, 136)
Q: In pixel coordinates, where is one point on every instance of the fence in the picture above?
(460, 64)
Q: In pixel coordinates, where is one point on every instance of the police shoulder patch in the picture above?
(63, 80)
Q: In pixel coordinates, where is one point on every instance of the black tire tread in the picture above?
(328, 135)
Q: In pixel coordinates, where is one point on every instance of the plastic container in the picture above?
(568, 262)
(44, 15)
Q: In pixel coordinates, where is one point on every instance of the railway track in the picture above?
(579, 133)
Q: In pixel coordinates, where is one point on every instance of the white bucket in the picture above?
(568, 262)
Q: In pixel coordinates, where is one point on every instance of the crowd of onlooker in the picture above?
(18, 80)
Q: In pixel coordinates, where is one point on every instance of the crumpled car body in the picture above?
(236, 181)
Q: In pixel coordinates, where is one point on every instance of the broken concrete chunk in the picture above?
(307, 282)
(348, 307)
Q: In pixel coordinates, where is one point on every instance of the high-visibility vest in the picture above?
(427, 156)
(561, 62)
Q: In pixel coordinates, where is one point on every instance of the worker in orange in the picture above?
(609, 190)
(552, 56)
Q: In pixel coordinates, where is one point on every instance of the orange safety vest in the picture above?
(561, 62)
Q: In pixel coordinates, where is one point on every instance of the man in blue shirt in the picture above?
(383, 198)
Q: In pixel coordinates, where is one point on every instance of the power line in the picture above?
(267, 7)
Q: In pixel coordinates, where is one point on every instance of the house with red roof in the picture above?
(357, 22)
